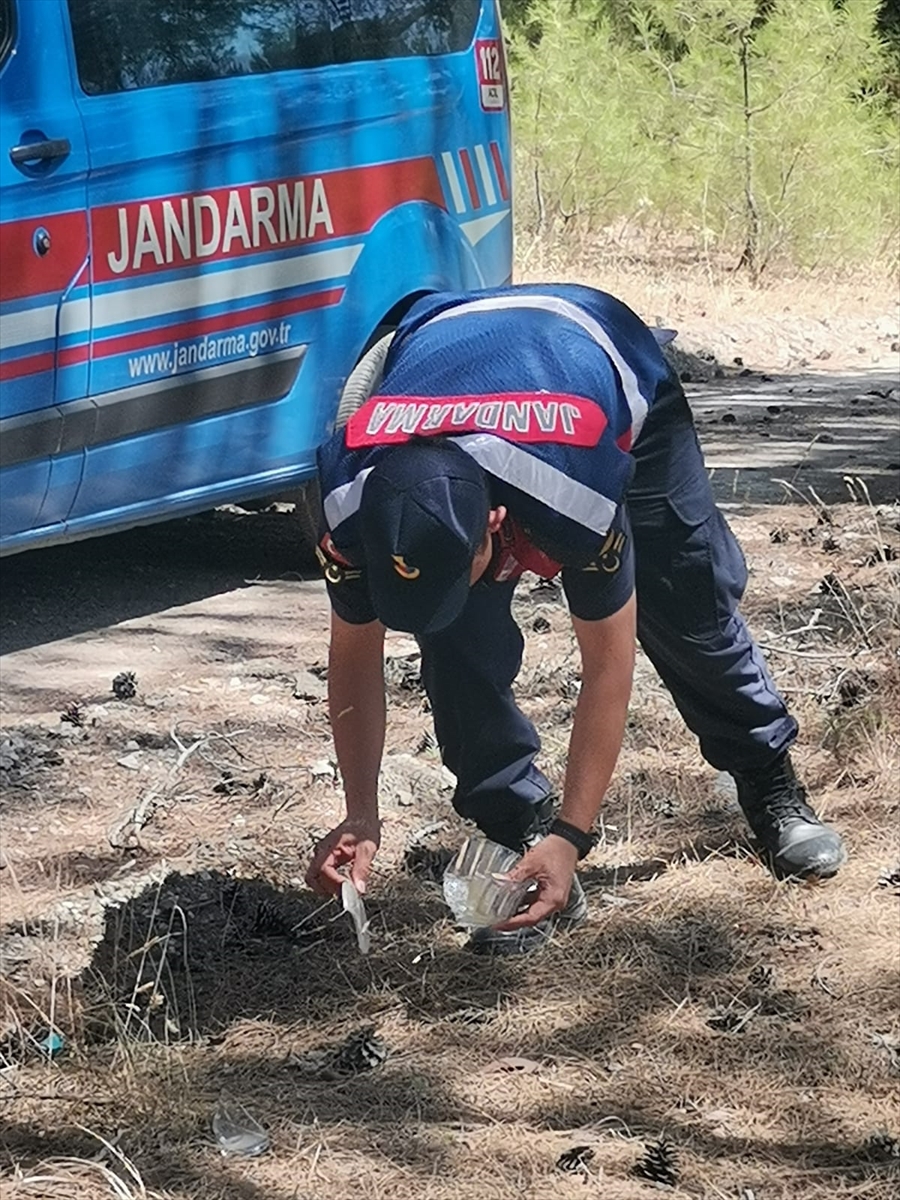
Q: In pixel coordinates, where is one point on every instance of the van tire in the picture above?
(364, 378)
(361, 383)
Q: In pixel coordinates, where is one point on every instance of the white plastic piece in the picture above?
(237, 1132)
(352, 902)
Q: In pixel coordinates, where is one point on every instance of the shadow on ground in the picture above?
(66, 590)
(243, 981)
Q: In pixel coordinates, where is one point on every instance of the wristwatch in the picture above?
(583, 842)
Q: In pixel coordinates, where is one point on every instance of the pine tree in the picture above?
(764, 128)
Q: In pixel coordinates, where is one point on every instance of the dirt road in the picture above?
(239, 578)
(768, 438)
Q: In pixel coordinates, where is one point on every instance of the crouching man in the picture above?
(540, 428)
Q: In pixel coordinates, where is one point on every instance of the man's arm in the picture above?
(356, 706)
(607, 666)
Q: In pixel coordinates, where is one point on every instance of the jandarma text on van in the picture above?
(190, 228)
(210, 349)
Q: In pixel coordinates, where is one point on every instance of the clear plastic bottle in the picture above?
(476, 886)
(236, 1132)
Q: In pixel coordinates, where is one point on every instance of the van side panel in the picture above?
(248, 234)
(44, 295)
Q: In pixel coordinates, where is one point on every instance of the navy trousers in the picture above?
(690, 576)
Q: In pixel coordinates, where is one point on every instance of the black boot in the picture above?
(796, 842)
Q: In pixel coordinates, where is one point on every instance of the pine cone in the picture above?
(545, 587)
(124, 685)
(269, 922)
(575, 1159)
(73, 714)
(659, 1164)
(403, 672)
(362, 1051)
(762, 975)
(881, 1146)
(426, 742)
(230, 785)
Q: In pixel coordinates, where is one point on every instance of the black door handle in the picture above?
(40, 151)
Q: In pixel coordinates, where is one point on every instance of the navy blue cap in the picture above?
(423, 514)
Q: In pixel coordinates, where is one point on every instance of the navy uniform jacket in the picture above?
(547, 387)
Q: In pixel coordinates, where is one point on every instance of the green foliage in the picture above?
(584, 119)
(761, 128)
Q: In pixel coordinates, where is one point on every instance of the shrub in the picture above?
(761, 129)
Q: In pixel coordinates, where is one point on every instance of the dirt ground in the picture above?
(732, 1036)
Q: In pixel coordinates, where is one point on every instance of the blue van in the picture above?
(209, 209)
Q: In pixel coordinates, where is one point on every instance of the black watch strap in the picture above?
(583, 842)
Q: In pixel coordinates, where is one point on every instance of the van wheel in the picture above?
(361, 383)
(364, 378)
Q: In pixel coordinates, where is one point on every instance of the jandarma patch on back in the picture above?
(520, 417)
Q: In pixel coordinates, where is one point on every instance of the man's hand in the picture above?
(356, 707)
(355, 843)
(551, 865)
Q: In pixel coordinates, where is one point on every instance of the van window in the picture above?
(6, 29)
(126, 44)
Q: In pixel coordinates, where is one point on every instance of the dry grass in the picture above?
(751, 1024)
(622, 259)
(83, 1179)
(814, 321)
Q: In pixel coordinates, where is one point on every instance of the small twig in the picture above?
(128, 828)
(813, 624)
(309, 916)
(746, 1018)
(802, 653)
(185, 754)
(789, 633)
(425, 831)
(282, 806)
(313, 1166)
(790, 486)
(822, 982)
(610, 1121)
(54, 1096)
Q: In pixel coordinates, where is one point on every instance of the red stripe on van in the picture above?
(498, 167)
(17, 367)
(141, 238)
(470, 178)
(24, 272)
(258, 315)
